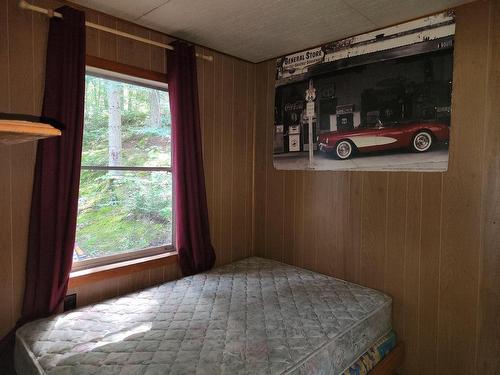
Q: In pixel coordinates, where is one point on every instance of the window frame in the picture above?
(106, 69)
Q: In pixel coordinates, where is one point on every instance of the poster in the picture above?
(377, 101)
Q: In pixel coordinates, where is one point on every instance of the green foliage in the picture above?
(125, 210)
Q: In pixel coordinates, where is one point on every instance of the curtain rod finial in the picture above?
(23, 4)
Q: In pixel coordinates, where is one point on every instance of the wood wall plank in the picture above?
(157, 55)
(22, 185)
(201, 104)
(289, 215)
(352, 260)
(488, 343)
(250, 157)
(132, 52)
(226, 176)
(323, 222)
(299, 246)
(309, 255)
(273, 230)
(238, 155)
(208, 119)
(411, 270)
(430, 250)
(40, 34)
(20, 59)
(92, 35)
(6, 277)
(4, 57)
(6, 254)
(22, 100)
(461, 230)
(395, 245)
(107, 42)
(340, 212)
(373, 222)
(215, 192)
(261, 102)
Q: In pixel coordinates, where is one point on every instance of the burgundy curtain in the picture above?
(196, 253)
(57, 172)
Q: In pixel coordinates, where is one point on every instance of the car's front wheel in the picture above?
(343, 150)
(421, 142)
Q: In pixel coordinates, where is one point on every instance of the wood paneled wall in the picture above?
(430, 240)
(226, 91)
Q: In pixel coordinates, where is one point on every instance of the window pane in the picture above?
(122, 211)
(125, 125)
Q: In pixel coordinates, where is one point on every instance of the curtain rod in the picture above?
(50, 13)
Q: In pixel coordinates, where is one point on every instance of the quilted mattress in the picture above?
(254, 316)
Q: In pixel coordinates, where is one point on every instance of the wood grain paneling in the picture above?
(461, 222)
(262, 100)
(430, 240)
(6, 277)
(488, 342)
(6, 289)
(226, 107)
(226, 92)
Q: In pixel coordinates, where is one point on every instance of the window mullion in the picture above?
(116, 168)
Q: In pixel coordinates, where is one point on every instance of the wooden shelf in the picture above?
(17, 131)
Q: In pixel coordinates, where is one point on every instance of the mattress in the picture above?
(254, 316)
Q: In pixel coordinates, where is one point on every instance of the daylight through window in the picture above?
(125, 201)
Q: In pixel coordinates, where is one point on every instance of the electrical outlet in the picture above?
(70, 302)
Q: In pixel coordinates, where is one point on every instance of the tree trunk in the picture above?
(154, 109)
(126, 99)
(114, 126)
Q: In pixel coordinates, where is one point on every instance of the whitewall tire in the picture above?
(421, 142)
(343, 150)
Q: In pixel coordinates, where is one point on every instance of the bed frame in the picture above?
(391, 362)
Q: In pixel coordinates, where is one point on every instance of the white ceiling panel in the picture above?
(258, 30)
(389, 12)
(128, 10)
(255, 30)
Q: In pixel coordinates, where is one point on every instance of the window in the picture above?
(125, 202)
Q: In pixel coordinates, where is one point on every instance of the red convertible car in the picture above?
(418, 136)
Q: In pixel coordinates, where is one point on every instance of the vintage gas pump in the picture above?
(278, 139)
(294, 138)
(292, 117)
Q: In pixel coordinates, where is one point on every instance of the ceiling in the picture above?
(257, 30)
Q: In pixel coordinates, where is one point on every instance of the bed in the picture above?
(254, 316)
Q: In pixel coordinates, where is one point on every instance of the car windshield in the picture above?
(380, 124)
(385, 124)
(377, 125)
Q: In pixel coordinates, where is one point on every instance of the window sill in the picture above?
(89, 275)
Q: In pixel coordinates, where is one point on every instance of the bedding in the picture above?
(254, 316)
(373, 356)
